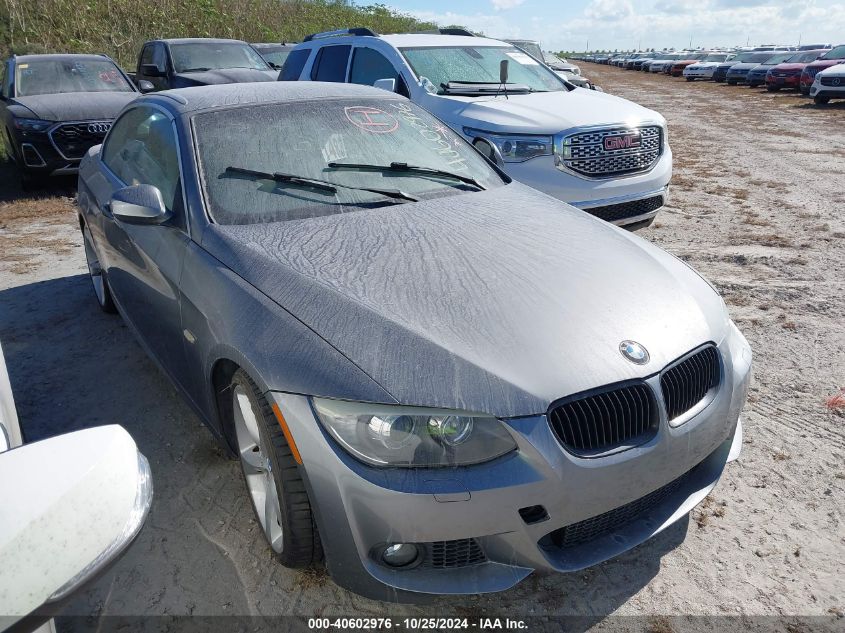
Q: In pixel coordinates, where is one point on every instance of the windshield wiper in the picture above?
(195, 70)
(405, 167)
(318, 184)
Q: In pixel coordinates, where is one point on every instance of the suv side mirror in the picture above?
(145, 86)
(139, 204)
(385, 84)
(96, 489)
(151, 70)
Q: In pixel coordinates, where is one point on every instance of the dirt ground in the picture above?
(757, 205)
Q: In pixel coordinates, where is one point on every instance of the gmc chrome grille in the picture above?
(74, 139)
(594, 424)
(451, 554)
(687, 383)
(592, 154)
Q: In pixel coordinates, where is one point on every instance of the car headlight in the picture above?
(32, 125)
(515, 148)
(390, 436)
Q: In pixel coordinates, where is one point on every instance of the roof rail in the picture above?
(340, 32)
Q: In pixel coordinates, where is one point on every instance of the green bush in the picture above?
(119, 27)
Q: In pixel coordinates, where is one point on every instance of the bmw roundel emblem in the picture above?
(634, 352)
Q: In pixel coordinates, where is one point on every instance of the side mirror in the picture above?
(139, 204)
(151, 70)
(95, 490)
(596, 88)
(385, 84)
(146, 86)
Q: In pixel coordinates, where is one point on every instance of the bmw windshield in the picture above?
(480, 65)
(46, 77)
(307, 159)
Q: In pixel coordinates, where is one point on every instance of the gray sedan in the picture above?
(435, 378)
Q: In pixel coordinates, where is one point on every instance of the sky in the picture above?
(629, 24)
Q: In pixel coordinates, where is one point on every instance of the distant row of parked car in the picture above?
(817, 70)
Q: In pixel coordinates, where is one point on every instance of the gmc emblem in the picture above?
(622, 141)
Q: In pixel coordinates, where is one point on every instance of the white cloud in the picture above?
(503, 5)
(490, 25)
(609, 10)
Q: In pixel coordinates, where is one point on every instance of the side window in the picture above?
(147, 54)
(368, 66)
(141, 149)
(292, 68)
(330, 64)
(154, 54)
(159, 57)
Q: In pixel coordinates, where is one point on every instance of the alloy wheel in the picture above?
(257, 467)
(94, 269)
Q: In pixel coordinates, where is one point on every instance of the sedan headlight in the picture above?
(32, 125)
(386, 435)
(515, 148)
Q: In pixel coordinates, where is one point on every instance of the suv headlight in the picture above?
(390, 436)
(32, 125)
(515, 148)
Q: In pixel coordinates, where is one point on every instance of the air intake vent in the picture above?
(452, 554)
(617, 418)
(686, 384)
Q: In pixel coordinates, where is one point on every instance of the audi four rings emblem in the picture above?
(98, 128)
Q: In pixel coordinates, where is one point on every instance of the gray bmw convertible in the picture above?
(435, 378)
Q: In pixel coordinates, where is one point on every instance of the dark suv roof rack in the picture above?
(451, 31)
(340, 32)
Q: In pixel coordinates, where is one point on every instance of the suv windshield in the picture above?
(274, 55)
(836, 53)
(779, 58)
(480, 64)
(46, 77)
(199, 56)
(715, 58)
(804, 58)
(238, 151)
(532, 48)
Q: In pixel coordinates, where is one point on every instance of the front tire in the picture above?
(97, 274)
(690, 78)
(821, 100)
(773, 88)
(731, 83)
(272, 477)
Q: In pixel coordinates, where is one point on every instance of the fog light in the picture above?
(400, 554)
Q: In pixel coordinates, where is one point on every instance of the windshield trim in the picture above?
(200, 171)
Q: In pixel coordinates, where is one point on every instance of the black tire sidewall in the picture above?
(300, 543)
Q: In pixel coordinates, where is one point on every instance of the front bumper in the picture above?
(787, 81)
(584, 193)
(699, 73)
(832, 92)
(360, 509)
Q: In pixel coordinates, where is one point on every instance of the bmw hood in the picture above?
(500, 301)
(225, 76)
(76, 106)
(538, 112)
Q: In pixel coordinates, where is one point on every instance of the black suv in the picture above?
(55, 107)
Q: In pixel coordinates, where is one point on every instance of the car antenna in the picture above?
(503, 77)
